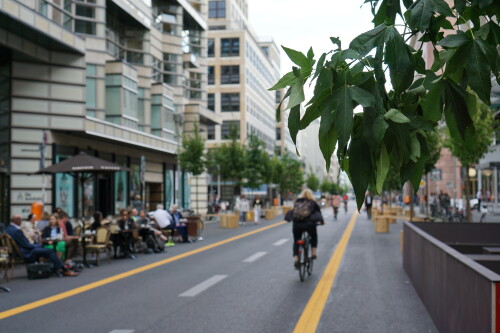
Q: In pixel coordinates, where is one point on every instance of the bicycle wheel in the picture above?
(302, 261)
(309, 259)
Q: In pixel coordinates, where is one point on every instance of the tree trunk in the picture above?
(468, 215)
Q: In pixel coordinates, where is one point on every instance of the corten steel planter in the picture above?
(460, 294)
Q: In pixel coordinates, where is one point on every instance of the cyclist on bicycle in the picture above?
(305, 215)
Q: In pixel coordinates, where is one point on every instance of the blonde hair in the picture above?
(307, 194)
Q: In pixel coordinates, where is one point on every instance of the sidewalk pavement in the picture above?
(372, 292)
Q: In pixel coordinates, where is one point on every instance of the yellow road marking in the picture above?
(308, 321)
(90, 286)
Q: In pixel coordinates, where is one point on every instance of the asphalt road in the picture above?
(247, 285)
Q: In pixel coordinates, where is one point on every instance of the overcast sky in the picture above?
(299, 24)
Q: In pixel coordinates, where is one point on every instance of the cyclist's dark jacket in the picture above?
(315, 216)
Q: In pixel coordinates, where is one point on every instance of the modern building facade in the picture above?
(118, 79)
(241, 69)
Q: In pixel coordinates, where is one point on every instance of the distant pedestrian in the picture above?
(244, 207)
(368, 204)
(335, 205)
(479, 196)
(257, 208)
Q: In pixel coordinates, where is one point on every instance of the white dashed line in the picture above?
(255, 256)
(122, 331)
(281, 242)
(203, 286)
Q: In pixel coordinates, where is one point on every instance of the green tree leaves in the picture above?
(377, 126)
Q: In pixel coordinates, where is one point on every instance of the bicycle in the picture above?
(305, 256)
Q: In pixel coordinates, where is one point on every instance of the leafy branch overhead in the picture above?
(398, 114)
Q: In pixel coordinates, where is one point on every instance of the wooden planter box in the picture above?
(229, 221)
(381, 225)
(269, 214)
(250, 216)
(286, 209)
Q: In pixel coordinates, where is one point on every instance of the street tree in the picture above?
(228, 160)
(256, 162)
(288, 175)
(191, 156)
(397, 114)
(468, 155)
(312, 181)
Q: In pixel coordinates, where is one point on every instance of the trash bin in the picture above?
(192, 225)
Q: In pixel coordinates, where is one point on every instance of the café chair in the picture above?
(14, 254)
(101, 243)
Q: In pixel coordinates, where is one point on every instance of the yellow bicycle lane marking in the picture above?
(93, 285)
(309, 320)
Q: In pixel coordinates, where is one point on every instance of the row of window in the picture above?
(229, 47)
(228, 74)
(225, 129)
(229, 102)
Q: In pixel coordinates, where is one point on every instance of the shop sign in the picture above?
(26, 196)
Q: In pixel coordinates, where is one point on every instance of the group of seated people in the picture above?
(53, 240)
(152, 223)
(53, 236)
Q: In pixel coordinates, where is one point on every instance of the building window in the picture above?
(265, 49)
(230, 74)
(217, 27)
(230, 102)
(91, 87)
(227, 126)
(217, 9)
(211, 75)
(210, 48)
(229, 47)
(171, 68)
(210, 132)
(211, 102)
(278, 133)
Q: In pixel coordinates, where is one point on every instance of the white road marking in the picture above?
(122, 331)
(255, 256)
(203, 286)
(281, 242)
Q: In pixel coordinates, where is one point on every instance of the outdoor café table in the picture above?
(83, 239)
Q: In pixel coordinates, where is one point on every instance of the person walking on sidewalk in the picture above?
(244, 207)
(257, 208)
(305, 215)
(335, 205)
(368, 204)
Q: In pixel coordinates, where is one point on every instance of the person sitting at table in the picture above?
(68, 235)
(29, 230)
(164, 221)
(180, 224)
(33, 252)
(52, 234)
(134, 213)
(44, 222)
(125, 238)
(97, 221)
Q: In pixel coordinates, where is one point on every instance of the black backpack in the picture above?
(302, 209)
